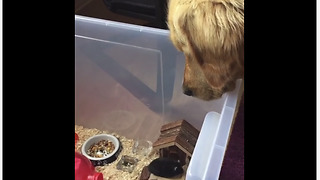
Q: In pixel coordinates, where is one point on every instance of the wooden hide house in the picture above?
(177, 140)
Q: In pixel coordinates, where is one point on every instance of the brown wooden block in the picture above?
(172, 125)
(145, 174)
(164, 142)
(177, 126)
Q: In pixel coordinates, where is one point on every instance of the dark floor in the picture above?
(98, 9)
(233, 165)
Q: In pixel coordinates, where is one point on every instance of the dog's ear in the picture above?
(222, 71)
(218, 76)
(178, 16)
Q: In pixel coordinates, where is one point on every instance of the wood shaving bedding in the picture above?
(110, 171)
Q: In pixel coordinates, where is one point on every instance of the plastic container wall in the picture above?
(131, 76)
(129, 81)
(207, 157)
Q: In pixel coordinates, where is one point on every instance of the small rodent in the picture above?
(165, 167)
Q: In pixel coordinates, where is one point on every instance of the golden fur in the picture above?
(210, 33)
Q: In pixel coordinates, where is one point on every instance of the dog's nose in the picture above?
(188, 92)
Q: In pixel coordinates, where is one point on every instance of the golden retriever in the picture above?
(210, 33)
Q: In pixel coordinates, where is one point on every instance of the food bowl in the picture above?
(101, 149)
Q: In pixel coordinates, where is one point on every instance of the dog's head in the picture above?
(208, 78)
(210, 35)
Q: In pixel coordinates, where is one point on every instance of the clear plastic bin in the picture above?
(128, 81)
